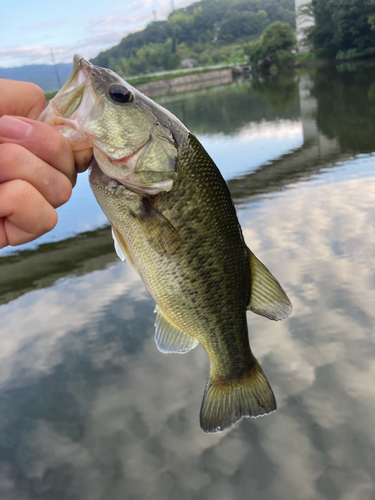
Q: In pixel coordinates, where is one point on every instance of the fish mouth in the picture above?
(85, 66)
(79, 100)
(122, 170)
(77, 113)
(71, 106)
(80, 73)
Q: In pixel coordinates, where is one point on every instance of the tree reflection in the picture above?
(229, 108)
(345, 97)
(280, 91)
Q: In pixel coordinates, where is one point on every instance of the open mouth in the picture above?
(72, 105)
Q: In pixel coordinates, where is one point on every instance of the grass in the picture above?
(49, 95)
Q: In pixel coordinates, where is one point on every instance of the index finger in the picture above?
(21, 99)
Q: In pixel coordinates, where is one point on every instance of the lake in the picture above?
(90, 409)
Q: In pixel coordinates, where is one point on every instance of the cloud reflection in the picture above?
(90, 409)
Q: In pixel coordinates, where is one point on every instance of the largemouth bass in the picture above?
(174, 221)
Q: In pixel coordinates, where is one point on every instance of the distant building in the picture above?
(188, 63)
(301, 23)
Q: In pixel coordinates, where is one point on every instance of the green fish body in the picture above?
(174, 221)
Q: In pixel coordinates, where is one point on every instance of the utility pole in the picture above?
(56, 70)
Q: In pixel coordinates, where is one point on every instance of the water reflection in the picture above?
(230, 108)
(351, 119)
(91, 409)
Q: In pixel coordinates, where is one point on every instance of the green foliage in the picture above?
(342, 26)
(50, 95)
(273, 50)
(243, 24)
(209, 31)
(304, 57)
(348, 54)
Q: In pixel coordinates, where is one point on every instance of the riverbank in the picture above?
(309, 60)
(177, 81)
(186, 83)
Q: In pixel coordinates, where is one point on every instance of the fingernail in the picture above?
(13, 128)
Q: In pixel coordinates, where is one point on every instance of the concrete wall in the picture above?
(186, 83)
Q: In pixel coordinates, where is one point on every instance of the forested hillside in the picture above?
(341, 29)
(208, 31)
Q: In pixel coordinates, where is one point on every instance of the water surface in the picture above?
(91, 409)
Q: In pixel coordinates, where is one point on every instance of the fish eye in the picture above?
(120, 94)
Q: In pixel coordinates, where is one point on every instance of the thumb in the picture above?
(21, 99)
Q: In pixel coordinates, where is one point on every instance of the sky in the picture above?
(30, 29)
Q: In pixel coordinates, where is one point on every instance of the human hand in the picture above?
(37, 166)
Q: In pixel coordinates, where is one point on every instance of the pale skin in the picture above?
(38, 169)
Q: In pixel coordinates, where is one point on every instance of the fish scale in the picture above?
(177, 226)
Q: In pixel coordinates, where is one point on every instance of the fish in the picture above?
(173, 220)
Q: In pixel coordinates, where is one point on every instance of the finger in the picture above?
(21, 99)
(17, 162)
(24, 213)
(83, 159)
(40, 139)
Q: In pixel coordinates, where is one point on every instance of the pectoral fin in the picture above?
(169, 338)
(267, 298)
(160, 233)
(121, 248)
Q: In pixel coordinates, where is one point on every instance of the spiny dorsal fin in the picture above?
(122, 249)
(267, 298)
(169, 338)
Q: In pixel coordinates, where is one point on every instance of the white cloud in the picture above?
(100, 33)
(114, 20)
(89, 47)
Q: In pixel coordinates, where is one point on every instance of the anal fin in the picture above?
(267, 297)
(169, 338)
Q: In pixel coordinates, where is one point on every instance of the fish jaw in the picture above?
(72, 107)
(124, 172)
(83, 113)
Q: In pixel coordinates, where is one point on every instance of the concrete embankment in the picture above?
(186, 83)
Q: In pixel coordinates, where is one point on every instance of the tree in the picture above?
(273, 50)
(242, 24)
(202, 31)
(342, 26)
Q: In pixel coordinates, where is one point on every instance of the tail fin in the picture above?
(225, 403)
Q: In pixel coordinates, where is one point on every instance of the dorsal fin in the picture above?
(169, 338)
(267, 297)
